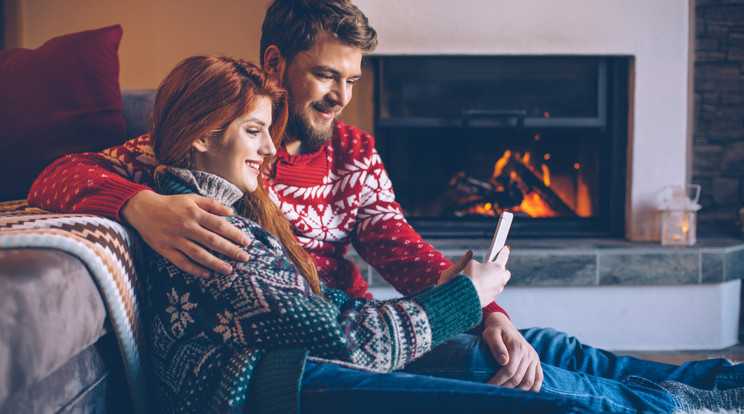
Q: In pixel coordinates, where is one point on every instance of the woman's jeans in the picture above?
(452, 377)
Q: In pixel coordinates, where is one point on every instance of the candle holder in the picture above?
(678, 210)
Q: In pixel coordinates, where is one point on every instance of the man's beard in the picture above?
(300, 128)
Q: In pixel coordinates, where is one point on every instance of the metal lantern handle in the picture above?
(695, 187)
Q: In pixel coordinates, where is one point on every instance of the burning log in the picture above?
(518, 171)
(483, 194)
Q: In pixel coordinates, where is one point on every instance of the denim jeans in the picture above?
(332, 389)
(559, 350)
(454, 375)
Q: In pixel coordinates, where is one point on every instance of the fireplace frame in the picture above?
(613, 115)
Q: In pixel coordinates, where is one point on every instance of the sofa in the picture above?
(70, 340)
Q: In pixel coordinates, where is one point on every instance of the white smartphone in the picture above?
(499, 236)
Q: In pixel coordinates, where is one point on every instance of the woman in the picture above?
(271, 336)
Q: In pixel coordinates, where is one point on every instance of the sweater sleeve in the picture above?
(385, 240)
(95, 183)
(271, 306)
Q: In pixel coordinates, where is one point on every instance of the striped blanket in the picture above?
(105, 247)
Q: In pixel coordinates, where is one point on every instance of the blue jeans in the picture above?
(559, 350)
(454, 374)
(332, 389)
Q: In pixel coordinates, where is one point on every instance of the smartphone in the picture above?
(499, 236)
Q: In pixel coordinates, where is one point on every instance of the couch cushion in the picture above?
(58, 99)
(50, 310)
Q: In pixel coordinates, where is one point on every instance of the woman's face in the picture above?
(238, 154)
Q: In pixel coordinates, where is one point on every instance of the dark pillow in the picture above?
(59, 99)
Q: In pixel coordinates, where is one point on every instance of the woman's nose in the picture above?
(267, 146)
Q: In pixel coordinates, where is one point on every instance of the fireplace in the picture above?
(466, 137)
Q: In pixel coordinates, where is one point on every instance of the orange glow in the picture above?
(546, 175)
(546, 114)
(532, 203)
(534, 206)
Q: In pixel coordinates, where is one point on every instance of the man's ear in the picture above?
(273, 62)
(201, 145)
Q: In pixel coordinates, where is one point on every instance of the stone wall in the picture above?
(718, 134)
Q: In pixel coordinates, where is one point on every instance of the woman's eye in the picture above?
(253, 131)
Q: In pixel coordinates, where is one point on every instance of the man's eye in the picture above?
(322, 76)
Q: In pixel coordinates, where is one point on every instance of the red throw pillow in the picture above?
(59, 99)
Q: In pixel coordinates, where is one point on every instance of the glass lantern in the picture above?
(679, 215)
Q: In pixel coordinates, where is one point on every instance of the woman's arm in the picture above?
(267, 304)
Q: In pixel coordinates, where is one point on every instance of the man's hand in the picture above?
(182, 227)
(520, 363)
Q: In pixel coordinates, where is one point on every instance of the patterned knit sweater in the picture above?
(336, 196)
(238, 342)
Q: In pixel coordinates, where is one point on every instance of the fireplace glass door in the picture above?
(466, 138)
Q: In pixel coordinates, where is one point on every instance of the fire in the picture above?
(534, 206)
(522, 183)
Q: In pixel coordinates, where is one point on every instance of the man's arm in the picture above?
(115, 183)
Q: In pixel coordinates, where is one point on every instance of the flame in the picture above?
(534, 206)
(532, 203)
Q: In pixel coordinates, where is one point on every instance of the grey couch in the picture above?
(58, 353)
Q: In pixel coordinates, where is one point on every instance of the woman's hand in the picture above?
(488, 278)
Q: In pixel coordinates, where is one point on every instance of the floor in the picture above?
(733, 353)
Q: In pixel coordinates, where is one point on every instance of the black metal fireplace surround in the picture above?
(464, 138)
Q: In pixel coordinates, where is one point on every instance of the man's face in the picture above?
(320, 82)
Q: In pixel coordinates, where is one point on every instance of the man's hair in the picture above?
(294, 25)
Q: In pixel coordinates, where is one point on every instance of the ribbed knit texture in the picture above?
(276, 386)
(212, 338)
(438, 305)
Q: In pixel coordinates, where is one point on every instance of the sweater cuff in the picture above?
(452, 308)
(275, 382)
(493, 307)
(110, 198)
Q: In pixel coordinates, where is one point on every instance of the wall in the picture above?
(718, 145)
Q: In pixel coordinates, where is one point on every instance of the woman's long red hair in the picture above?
(200, 97)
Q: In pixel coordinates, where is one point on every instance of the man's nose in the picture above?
(340, 94)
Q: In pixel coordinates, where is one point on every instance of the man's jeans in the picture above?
(598, 379)
(559, 350)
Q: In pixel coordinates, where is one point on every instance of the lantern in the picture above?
(678, 210)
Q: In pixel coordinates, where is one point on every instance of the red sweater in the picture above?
(337, 195)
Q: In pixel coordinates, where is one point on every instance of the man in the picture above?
(330, 183)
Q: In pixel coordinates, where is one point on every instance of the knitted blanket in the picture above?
(105, 247)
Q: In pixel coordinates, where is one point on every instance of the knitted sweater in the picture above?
(225, 343)
(336, 196)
